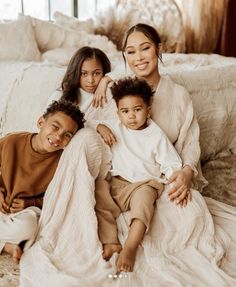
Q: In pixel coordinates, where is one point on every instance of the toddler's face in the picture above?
(91, 74)
(133, 112)
(55, 132)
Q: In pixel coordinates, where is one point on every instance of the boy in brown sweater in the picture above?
(27, 164)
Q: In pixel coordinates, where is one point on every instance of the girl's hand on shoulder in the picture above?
(17, 205)
(182, 181)
(106, 134)
(99, 98)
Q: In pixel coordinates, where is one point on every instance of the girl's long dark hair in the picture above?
(70, 83)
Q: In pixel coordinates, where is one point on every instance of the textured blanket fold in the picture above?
(192, 246)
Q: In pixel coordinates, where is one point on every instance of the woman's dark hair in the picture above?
(149, 31)
(131, 87)
(70, 82)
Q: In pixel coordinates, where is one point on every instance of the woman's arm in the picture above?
(188, 148)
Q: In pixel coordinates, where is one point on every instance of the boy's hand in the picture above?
(18, 204)
(4, 208)
(106, 134)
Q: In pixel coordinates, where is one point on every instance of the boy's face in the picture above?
(91, 74)
(55, 132)
(133, 112)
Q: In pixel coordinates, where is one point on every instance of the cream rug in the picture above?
(221, 174)
(9, 272)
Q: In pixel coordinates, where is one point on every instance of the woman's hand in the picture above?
(99, 98)
(106, 134)
(182, 181)
(18, 204)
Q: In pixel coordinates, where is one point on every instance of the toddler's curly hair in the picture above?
(131, 87)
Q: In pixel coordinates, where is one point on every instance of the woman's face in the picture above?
(90, 75)
(141, 55)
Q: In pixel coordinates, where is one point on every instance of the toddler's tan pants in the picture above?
(119, 195)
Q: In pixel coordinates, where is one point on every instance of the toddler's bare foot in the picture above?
(109, 249)
(126, 259)
(14, 250)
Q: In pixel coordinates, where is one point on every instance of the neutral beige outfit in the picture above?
(19, 226)
(121, 196)
(172, 110)
(142, 159)
(90, 113)
(193, 246)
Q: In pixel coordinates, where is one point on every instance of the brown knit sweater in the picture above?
(25, 173)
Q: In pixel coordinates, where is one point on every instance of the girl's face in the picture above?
(90, 75)
(141, 55)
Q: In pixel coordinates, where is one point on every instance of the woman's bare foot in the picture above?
(109, 249)
(14, 250)
(126, 259)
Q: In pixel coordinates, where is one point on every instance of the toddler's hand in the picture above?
(106, 134)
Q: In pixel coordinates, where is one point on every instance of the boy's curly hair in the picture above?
(131, 87)
(67, 108)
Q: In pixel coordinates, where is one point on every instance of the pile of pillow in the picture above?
(32, 39)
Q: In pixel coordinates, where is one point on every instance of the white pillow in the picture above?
(50, 36)
(17, 41)
(73, 23)
(59, 56)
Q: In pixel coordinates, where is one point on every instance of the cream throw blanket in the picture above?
(184, 247)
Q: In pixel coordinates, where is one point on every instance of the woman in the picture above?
(184, 246)
(171, 108)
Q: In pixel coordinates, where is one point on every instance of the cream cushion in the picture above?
(51, 36)
(59, 56)
(211, 82)
(17, 41)
(73, 23)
